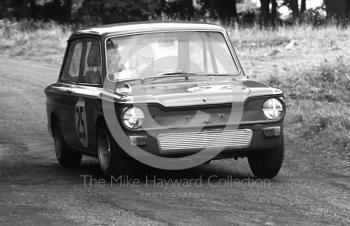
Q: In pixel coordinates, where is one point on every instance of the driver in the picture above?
(144, 60)
(141, 62)
(114, 65)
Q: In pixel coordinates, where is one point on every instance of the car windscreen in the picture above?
(151, 54)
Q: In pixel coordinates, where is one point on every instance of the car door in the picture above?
(87, 90)
(67, 100)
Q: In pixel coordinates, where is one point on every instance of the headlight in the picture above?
(133, 118)
(273, 109)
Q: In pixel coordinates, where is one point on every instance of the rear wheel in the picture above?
(109, 154)
(268, 163)
(66, 157)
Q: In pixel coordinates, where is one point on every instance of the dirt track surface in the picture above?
(35, 190)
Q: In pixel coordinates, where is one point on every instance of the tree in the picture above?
(303, 7)
(224, 10)
(111, 11)
(178, 9)
(33, 9)
(293, 5)
(297, 11)
(338, 10)
(58, 10)
(15, 9)
(268, 15)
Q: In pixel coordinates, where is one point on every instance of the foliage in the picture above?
(90, 12)
(224, 10)
(109, 11)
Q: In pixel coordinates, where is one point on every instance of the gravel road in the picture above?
(35, 190)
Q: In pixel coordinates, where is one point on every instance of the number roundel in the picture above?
(81, 122)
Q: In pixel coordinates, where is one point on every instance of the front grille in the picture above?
(169, 142)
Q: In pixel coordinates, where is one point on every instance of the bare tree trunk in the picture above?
(264, 13)
(267, 16)
(303, 6)
(274, 13)
(295, 8)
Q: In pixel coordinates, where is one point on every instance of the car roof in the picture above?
(139, 27)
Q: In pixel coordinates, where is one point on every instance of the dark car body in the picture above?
(176, 107)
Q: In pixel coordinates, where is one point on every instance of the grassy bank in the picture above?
(311, 65)
(33, 40)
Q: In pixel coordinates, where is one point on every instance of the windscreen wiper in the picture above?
(184, 74)
(216, 74)
(174, 74)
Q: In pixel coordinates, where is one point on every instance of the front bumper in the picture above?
(233, 142)
(182, 142)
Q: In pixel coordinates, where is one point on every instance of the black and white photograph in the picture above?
(174, 112)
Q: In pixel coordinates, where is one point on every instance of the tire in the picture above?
(66, 157)
(207, 162)
(111, 161)
(267, 164)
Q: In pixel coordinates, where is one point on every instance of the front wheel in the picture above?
(66, 157)
(268, 163)
(109, 154)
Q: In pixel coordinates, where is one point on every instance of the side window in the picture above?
(71, 68)
(92, 63)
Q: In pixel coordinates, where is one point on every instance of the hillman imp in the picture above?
(164, 91)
